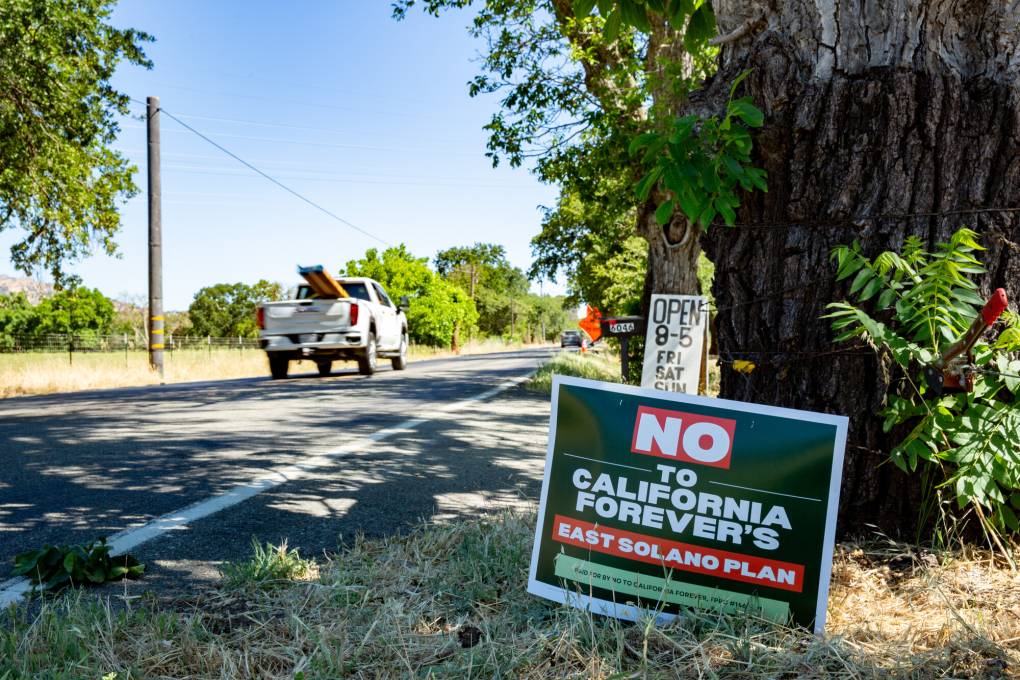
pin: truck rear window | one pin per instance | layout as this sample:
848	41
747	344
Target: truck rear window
354	289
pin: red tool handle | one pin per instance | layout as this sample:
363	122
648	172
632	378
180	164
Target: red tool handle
995	306
992	310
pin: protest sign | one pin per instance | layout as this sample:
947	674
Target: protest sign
674	343
656	501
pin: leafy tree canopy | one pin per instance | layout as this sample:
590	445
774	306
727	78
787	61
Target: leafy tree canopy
467	266
576	88
439	310
59	180
17	318
74	310
228	309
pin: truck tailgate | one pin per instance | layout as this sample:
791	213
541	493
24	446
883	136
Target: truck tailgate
306	316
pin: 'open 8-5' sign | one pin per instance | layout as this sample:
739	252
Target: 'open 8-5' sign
675	342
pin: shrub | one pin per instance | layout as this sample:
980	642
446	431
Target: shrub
54	568
926	301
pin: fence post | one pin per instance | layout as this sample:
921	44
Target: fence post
125	350
208	341
70	350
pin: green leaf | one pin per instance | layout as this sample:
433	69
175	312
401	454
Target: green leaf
664	213
634	15
706	217
583	8
896	456
1008	518
873	287
757	176
700	27
642	140
861	279
647	183
612	28
679	10
732	166
739	79
653	149
726	211
887	297
691	204
747	112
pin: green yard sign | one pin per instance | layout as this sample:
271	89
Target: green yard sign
657	502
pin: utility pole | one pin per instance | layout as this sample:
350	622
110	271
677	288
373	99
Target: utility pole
155	241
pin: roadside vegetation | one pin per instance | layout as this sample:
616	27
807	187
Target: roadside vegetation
50	372
591	365
449	601
472	300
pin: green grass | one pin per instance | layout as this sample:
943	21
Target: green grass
268	567
591	365
450	601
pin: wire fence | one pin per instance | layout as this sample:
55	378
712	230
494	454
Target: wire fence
72	343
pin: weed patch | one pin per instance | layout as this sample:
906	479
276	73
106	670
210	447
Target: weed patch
270	566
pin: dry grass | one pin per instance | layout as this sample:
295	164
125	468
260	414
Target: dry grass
449	601
45	373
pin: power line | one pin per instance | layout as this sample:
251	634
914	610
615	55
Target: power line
189	170
286	126
273	180
360	147
322	176
292	102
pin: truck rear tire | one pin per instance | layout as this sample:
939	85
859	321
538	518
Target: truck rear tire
278	366
367	361
400	361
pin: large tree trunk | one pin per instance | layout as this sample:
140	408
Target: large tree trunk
875	112
672	254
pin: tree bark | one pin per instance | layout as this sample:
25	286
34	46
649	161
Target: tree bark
882	120
672	254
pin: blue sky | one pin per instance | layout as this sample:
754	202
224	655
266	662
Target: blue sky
363	114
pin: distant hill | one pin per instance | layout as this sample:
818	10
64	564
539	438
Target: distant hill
33	290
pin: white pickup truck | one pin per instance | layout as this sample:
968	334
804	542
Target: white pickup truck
364	326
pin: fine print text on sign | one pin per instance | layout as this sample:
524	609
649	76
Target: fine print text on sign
658	502
674	343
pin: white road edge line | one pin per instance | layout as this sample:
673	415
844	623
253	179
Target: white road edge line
13	589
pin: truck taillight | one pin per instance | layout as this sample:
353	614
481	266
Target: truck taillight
260	317
354	313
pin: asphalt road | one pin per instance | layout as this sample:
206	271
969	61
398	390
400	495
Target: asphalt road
346	454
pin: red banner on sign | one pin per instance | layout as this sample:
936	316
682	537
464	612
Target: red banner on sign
679	556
